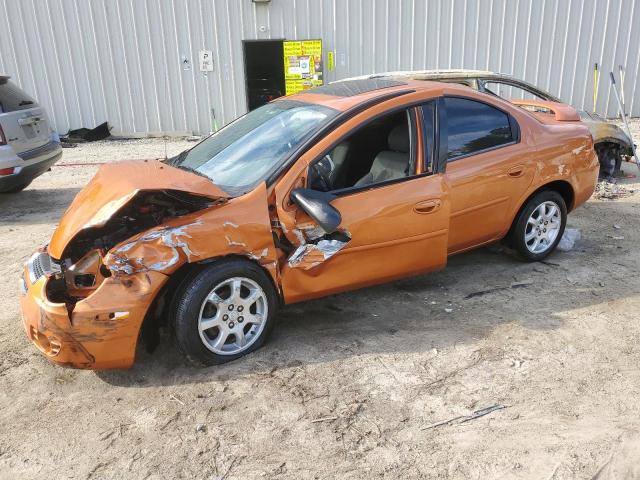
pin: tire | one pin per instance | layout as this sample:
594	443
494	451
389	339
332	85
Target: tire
531	237
17	189
214	304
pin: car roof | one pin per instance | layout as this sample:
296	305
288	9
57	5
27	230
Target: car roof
454	74
350	93
446	73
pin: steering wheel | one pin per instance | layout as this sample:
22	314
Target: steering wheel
321	178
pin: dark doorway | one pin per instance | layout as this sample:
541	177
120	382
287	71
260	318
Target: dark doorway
264	71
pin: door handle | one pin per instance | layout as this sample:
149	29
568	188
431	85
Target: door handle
428	206
516	171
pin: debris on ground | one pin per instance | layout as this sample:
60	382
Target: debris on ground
83	135
517	363
465	418
606	190
324	419
568	240
497	289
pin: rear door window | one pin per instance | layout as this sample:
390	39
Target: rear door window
473	127
13	98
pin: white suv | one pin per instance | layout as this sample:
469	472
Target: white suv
28	146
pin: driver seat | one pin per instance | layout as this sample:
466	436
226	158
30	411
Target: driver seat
393	163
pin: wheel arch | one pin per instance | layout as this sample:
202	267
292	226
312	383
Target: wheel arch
563	187
158	314
611	142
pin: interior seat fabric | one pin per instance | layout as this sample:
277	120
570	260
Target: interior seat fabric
393	163
338	156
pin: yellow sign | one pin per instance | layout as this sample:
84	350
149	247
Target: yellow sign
302	65
331	62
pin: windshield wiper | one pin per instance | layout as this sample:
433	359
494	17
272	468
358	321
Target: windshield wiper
193	170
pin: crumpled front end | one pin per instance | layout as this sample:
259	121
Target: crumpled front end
100	331
240	228
85	300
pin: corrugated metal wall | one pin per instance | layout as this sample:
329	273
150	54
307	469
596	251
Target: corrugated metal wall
90	61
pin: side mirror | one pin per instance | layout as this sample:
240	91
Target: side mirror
318	206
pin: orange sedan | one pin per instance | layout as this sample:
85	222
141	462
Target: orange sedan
336	188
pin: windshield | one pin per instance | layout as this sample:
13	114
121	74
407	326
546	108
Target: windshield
247	151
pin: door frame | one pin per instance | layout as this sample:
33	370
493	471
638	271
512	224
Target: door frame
294	221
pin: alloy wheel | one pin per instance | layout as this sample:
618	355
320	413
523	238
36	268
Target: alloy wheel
543	226
232	316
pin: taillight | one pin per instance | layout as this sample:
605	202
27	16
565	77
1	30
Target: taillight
3	139
7	171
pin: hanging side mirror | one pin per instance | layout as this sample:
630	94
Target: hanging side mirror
318	206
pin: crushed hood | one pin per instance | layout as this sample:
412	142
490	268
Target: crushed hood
114	186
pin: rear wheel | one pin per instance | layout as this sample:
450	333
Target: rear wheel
539	226
224	312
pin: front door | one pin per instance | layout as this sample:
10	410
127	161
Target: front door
395	214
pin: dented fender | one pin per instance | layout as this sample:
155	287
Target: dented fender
117	184
240	227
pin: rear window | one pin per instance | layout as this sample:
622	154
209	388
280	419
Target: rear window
13	98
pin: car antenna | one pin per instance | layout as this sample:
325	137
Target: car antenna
596	77
165	148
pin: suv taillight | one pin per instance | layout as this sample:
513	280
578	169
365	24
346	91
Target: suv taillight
3	139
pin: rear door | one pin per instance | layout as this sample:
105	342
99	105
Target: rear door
488	169
25	124
395	228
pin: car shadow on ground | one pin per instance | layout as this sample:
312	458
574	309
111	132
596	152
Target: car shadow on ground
35	206
477	293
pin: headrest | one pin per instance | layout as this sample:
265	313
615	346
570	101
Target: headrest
398	139
394	163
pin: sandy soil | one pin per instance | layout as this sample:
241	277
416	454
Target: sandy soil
348	386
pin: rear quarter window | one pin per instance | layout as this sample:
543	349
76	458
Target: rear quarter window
13	98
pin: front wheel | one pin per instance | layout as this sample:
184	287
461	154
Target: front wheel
539	226
224	312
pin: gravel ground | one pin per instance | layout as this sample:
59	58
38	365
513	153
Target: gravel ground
356	385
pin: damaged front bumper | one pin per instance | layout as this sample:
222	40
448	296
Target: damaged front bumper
99	331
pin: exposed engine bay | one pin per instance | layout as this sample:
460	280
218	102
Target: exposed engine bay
81	268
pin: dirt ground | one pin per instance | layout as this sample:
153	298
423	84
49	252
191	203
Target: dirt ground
354	385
